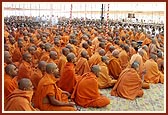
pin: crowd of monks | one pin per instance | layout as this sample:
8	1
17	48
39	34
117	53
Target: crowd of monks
57	67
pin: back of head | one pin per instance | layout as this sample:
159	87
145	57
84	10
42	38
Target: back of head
135	65
105	59
85	45
84	54
65	51
50	67
95	69
141	53
71	57
159	54
25	84
53	55
115	53
111	48
153	56
42	66
102	52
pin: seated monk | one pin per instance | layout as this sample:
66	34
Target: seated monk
68	75
62	60
8	59
82	65
20	99
104	80
38	73
114	65
53	57
25	69
160	62
124	57
48	96
86	92
129	83
10	79
96	58
45	55
109	53
153	75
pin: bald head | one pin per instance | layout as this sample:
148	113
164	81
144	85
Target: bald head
102	52
159	54
153	56
53	55
115	53
65	51
27	57
31	50
84	54
69	47
111	48
95	69
47	47
25	84
42	66
51	67
141	53
85	45
71	57
7	57
105	59
135	65
11	70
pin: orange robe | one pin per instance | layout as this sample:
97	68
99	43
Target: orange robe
104	80
61	62
159	62
19	100
45	57
17	55
82	66
68	78
153	75
35	78
137	57
145	56
123	59
94	59
47	87
86	92
114	67
9	85
25	70
129	85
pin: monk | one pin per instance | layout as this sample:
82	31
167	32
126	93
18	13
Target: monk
124	57
38	73
7	58
25	69
109	52
62	60
10	79
160	62
96	58
86	92
48	96
153	75
82	65
18	51
45	55
104	80
32	51
68	75
129	83
145	56
53	57
114	65
20	99
57	46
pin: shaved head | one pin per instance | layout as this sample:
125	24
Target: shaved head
65	51
111	48
102	52
42	66
71	57
25	84
135	65
115	53
153	56
51	68
7	57
95	69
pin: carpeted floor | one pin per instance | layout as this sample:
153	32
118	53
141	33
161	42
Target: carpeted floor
152	100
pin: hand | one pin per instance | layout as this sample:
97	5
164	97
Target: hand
71	103
67	93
